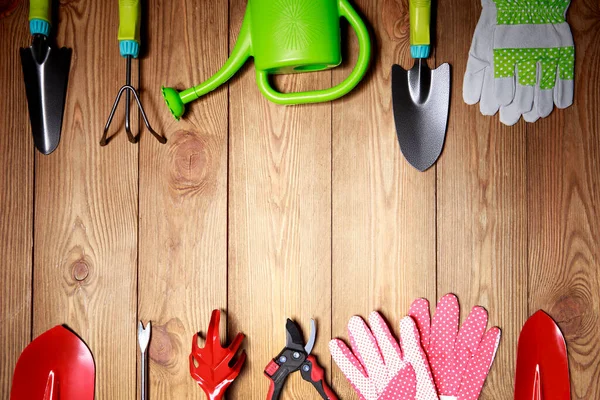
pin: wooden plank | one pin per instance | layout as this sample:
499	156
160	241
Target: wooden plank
183	191
481	204
85	231
383	209
16	198
563	170
279	221
296	176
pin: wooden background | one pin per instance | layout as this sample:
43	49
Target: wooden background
268	212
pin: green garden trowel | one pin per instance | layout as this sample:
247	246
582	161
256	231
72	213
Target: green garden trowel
421	96
285	37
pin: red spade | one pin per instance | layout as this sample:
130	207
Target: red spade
57	365
542	364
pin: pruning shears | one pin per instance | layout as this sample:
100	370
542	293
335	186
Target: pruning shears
296	356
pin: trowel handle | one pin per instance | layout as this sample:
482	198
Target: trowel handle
420	18
39	17
130	12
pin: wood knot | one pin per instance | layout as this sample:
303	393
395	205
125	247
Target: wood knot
163	346
189	162
568	313
81	270
395	21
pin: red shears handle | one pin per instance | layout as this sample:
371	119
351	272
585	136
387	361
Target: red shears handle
316	375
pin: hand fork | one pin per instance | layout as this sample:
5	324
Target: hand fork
129	46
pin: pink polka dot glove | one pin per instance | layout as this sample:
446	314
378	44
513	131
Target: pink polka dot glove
459	359
378	367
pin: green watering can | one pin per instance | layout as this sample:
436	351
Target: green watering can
287	36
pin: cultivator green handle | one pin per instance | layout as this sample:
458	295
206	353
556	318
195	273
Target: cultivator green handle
420	17
39	17
129	27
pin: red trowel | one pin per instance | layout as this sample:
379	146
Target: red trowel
542	363
57	365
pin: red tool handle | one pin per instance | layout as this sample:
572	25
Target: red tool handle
273	394
277	377
316	376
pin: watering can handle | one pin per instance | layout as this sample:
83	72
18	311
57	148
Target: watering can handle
317	96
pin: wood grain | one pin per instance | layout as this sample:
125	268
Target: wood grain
183	192
269	212
481	205
564	198
279	221
383	209
85	231
16	198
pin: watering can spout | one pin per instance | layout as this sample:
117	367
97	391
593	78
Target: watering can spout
176	100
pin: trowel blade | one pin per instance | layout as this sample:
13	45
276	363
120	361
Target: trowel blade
421	98
56	365
46	73
542	371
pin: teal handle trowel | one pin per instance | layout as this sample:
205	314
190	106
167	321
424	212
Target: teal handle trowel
46	72
421	96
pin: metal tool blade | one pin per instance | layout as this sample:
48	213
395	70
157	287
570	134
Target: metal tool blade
46	73
293	337
313	336
144	335
421	98
143	340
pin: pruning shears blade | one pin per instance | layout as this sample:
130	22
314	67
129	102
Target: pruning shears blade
293	337
313	336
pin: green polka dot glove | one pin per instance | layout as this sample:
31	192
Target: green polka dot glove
525	47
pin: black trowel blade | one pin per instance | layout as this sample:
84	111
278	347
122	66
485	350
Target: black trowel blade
421	98
46	72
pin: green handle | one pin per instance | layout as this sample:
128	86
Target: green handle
40	9
420	17
317	96
39	17
129	20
